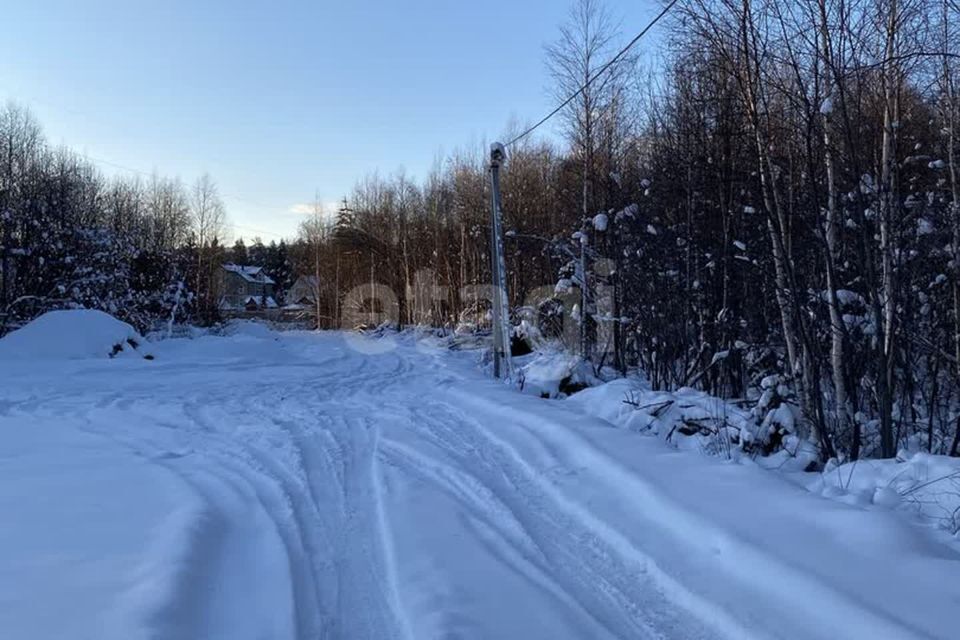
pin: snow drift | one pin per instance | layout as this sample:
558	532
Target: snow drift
691	419
925	485
74	334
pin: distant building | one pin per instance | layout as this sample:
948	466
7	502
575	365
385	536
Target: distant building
246	288
304	291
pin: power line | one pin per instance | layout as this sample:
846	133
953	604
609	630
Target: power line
152	175
257	231
117	166
596	75
145	174
229	196
527	132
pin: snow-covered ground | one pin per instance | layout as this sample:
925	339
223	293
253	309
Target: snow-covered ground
302	485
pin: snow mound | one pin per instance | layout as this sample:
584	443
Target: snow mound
690	419
551	373
607	401
73	334
600	222
924	484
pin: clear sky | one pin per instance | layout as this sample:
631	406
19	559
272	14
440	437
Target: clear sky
280	100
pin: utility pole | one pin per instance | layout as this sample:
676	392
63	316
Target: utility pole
584	288
343	218
336	293
502	364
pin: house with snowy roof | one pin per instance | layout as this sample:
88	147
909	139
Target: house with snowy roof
246	288
304	291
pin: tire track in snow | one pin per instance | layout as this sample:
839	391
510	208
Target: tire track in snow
336	453
745	567
223	472
615	590
495	527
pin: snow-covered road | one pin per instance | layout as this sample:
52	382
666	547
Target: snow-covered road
292	486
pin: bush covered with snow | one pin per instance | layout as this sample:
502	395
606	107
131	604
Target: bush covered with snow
71	335
552	373
691	419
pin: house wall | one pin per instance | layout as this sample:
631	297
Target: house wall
302	288
236	288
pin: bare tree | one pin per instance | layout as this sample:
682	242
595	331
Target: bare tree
20	145
585	44
314	233
209	219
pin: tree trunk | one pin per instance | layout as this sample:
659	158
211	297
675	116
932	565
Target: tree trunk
844	418
887	204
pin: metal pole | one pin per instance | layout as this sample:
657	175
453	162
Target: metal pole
494	307
502	365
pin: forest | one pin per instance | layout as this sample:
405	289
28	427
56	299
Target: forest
765	207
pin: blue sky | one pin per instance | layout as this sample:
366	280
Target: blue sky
280	100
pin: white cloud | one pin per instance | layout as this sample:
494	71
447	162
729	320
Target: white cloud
307	208
302	209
